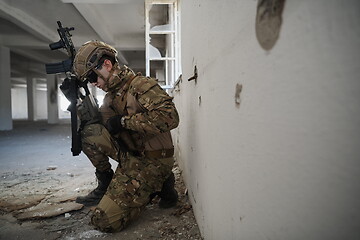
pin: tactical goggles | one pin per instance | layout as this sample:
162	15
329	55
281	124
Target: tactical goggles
92	76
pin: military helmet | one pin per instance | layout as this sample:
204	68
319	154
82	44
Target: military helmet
88	56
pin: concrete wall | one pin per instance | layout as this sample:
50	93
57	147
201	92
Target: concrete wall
41	101
19	104
280	160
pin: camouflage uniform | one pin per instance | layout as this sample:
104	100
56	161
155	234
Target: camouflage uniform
147	160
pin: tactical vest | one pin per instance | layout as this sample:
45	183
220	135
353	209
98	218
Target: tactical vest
124	101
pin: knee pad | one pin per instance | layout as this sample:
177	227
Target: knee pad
108	216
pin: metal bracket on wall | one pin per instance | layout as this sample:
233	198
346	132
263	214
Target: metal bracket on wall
195	75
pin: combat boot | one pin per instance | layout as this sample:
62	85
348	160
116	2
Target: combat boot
168	194
94	197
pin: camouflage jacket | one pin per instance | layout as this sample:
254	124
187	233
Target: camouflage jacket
149	112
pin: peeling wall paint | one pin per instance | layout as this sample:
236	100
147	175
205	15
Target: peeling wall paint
238	89
268	22
269	139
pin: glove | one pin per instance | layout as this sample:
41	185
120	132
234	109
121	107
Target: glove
65	87
113	124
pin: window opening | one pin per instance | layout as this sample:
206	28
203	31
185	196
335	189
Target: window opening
162	40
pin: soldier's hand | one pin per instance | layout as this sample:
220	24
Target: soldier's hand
113	124
65	87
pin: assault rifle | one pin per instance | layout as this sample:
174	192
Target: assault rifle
71	88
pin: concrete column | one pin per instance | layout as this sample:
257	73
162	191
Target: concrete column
5	90
52	99
31	97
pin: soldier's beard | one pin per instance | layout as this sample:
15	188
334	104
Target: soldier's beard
102	84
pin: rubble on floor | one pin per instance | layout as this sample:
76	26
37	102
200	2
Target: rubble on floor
43	201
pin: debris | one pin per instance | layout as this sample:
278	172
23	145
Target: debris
183	209
56	187
90	234
67	215
17	203
54	198
168	230
49	211
49	168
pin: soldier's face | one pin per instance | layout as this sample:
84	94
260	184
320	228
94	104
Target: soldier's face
100	84
105	72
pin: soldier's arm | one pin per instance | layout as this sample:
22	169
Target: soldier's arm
160	114
105	110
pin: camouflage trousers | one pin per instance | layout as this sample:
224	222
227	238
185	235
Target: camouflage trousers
133	182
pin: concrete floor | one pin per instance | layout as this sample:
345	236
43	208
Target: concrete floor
37	145
37	170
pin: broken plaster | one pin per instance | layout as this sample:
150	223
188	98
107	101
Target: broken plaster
268	22
238	89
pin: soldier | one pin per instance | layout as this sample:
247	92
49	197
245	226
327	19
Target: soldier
137	116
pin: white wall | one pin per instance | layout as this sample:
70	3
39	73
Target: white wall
19	104
285	163
41	101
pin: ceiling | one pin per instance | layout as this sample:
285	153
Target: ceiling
27	28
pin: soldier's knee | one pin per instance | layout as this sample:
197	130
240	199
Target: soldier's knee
108	216
101	221
96	139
